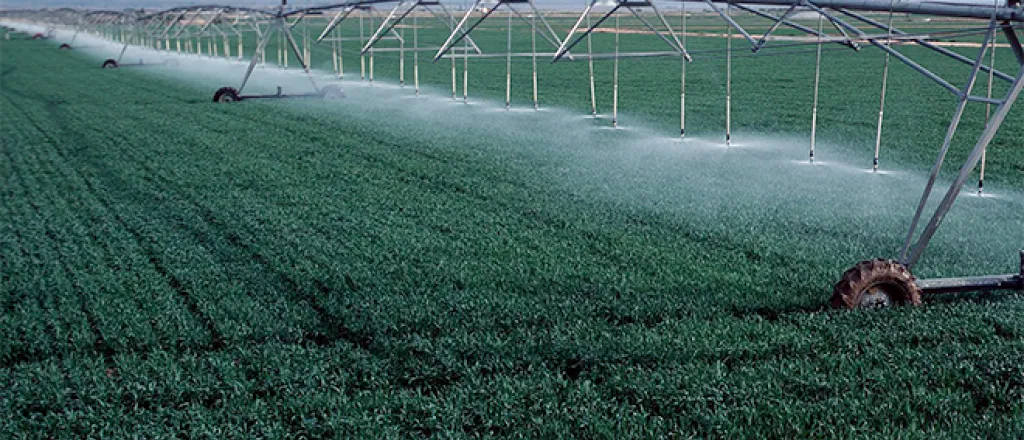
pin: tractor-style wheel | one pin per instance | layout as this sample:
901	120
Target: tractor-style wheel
65	46
876	283
38	36
110	64
226	94
332	92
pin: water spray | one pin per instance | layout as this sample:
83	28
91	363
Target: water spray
862	285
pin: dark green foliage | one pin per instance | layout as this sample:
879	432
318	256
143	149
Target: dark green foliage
168	272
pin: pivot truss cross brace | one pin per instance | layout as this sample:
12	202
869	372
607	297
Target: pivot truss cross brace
912	249
279	23
633	7
463	29
999	19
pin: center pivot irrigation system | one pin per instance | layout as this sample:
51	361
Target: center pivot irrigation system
851	24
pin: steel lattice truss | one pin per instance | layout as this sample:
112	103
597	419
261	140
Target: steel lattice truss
849	25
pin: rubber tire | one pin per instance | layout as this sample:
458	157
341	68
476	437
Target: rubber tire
332	92
226	94
38	37
65	46
110	64
900	286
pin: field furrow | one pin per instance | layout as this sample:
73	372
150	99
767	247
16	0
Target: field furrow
389	267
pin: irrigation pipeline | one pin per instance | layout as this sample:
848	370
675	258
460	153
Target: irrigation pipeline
706	54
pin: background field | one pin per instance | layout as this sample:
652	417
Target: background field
396	267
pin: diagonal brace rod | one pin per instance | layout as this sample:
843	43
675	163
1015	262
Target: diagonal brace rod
941	50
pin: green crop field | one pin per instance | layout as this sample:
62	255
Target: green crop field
389	267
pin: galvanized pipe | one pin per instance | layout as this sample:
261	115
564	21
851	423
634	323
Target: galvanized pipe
508	64
590	66
533	42
615	76
817	78
682	72
885	83
416	55
988	112
362	58
728	79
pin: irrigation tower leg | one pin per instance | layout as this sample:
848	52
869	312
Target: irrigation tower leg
298	54
950	132
121	55
910	254
264	39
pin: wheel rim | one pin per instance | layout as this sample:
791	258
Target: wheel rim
227	98
880	295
